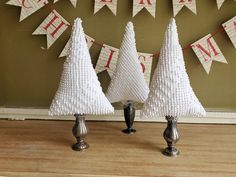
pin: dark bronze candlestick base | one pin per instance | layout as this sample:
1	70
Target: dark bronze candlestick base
129	113
80	131
171	135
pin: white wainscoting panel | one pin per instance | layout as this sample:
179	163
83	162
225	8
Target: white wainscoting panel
215	117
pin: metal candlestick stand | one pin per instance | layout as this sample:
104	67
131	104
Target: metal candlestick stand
129	113
171	135
79	130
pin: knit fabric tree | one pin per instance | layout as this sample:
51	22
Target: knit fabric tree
170	92
128	83
79	90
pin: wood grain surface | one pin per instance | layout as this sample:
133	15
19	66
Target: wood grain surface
43	148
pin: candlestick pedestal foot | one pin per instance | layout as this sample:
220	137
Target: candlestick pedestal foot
129	131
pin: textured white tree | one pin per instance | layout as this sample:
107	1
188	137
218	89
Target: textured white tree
171	94
127	83
79	91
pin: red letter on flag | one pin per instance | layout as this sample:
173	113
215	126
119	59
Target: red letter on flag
109	59
142	65
207	52
57	28
148	1
183	1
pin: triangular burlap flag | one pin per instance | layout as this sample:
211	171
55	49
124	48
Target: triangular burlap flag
150	5
179	4
219	3
208	51
73	2
53	27
111	4
107	59
27	7
230	28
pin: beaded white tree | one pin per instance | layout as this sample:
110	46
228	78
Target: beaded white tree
127	83
79	91
171	94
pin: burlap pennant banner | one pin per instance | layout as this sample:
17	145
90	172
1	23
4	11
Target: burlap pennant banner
55	25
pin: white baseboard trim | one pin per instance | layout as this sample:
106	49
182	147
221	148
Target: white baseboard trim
42	114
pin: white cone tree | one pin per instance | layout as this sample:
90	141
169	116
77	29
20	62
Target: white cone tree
127	82
170	90
79	91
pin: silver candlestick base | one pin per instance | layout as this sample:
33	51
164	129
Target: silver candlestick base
171	135
129	113
79	130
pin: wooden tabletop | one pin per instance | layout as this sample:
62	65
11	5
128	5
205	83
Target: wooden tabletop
43	148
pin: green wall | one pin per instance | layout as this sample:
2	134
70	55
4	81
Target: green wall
29	74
